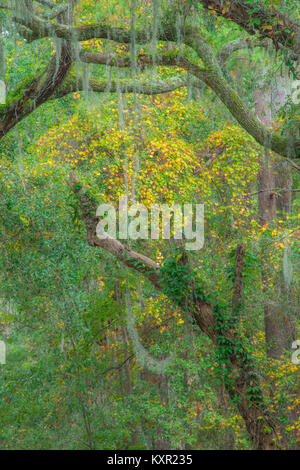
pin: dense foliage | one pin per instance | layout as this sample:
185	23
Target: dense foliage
98	355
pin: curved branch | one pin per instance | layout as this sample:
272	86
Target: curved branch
47	3
243	376
211	75
57	11
38	90
114	60
145	87
128	257
255	18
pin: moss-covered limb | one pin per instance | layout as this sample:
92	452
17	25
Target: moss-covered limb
255	18
36	91
169	58
18	104
213	77
26	33
220	325
18	93
56	73
238	283
264	135
56	11
176	280
241	377
88	208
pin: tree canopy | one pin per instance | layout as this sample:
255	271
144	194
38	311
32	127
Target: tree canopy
122	343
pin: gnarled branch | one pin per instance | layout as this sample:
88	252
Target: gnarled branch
256	19
128	257
243	375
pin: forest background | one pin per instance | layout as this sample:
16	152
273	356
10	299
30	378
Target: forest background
142	344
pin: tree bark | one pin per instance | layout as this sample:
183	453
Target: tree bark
40	90
279	328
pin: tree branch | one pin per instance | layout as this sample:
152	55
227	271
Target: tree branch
212	75
172	58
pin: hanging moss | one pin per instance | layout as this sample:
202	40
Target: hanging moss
18	92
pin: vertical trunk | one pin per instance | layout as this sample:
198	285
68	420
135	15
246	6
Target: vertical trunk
284	181
162	442
279	328
275	185
266	196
